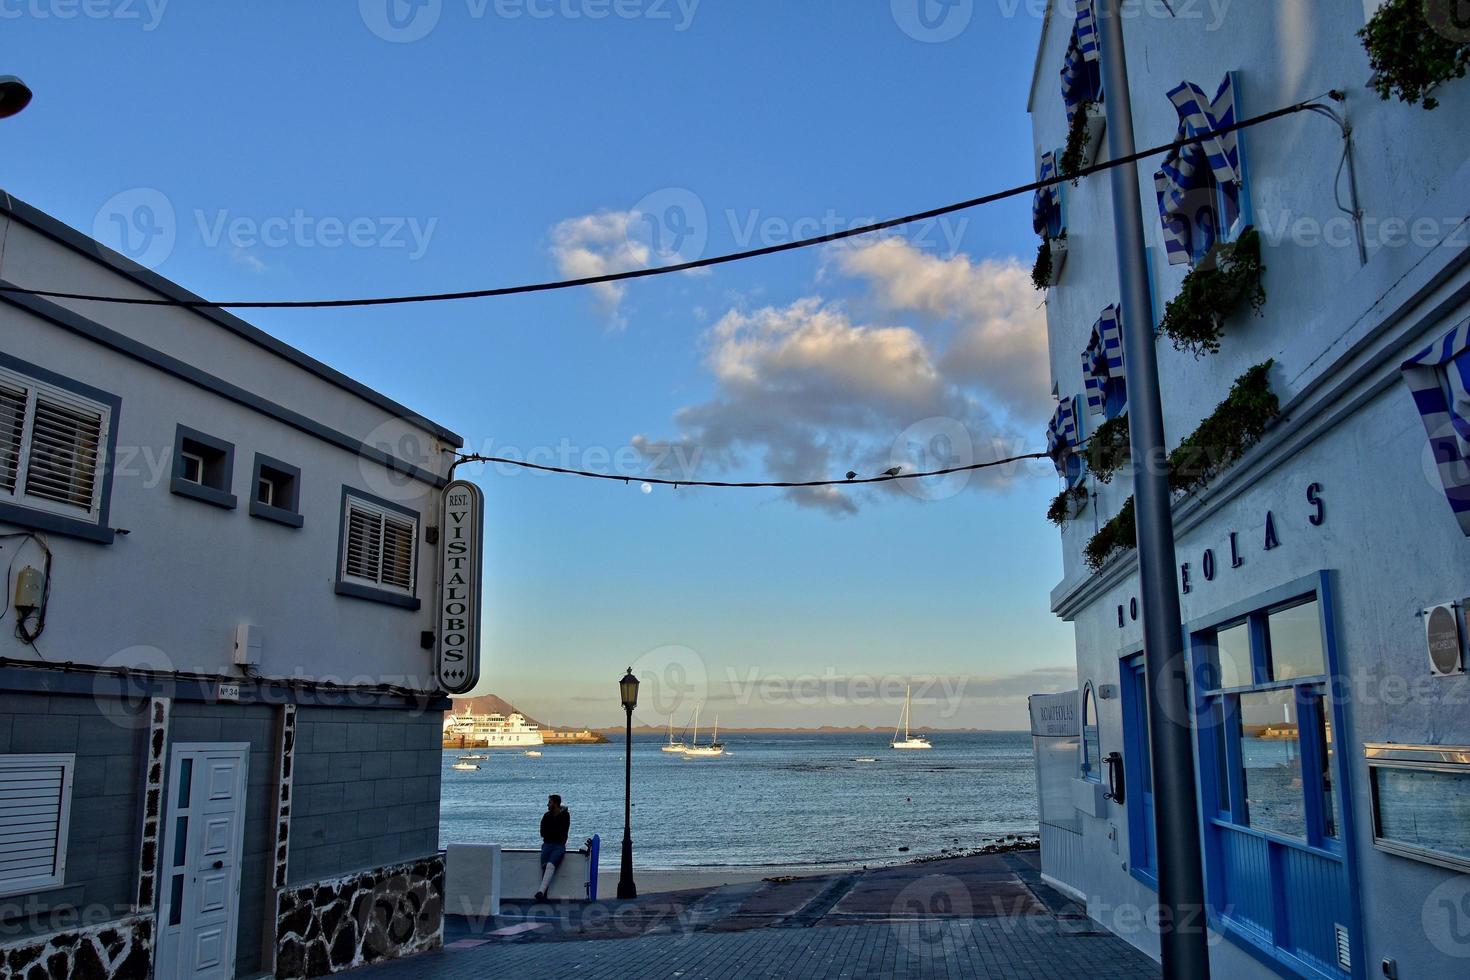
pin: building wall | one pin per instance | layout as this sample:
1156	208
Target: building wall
366	790
107	737
1337	332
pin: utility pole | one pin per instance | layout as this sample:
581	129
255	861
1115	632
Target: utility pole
1183	939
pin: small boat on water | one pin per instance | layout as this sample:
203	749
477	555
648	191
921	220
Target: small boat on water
864	759
473	758
673	746
714	748
533	753
909	741
466	767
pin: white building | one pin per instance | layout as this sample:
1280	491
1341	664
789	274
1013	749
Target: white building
1333	758
219	726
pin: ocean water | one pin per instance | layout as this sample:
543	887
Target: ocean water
772	799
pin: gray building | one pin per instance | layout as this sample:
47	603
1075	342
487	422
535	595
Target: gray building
219	719
1320	499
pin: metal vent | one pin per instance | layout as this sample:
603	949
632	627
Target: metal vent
1344	947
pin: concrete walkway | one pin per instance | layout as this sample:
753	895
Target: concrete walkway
987	916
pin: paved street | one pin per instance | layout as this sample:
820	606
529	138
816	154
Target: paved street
987	916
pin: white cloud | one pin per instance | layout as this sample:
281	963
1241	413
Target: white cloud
598	245
812	392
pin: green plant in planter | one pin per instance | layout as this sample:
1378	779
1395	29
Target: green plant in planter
1221	439
1414	45
1041	271
1120	533
1108	449
1065	504
1231	429
1076	146
1195	318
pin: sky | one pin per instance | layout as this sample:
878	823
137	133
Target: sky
287	150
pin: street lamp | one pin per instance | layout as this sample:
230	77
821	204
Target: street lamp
628	687
15	95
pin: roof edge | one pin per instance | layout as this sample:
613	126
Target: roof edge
68	236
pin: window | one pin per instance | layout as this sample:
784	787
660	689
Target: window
203	468
56	438
35	808
1271	779
378	558
276	493
1091	767
1421	801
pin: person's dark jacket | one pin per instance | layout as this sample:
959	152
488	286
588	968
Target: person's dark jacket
556	826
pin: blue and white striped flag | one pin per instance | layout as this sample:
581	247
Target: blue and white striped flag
1081	77
1086	30
1439	379
1046	205
1061	435
1102	362
1189	169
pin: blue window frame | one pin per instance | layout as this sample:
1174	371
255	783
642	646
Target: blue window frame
58	442
275	491
1138	771
1091	764
1281	884
204	468
377	551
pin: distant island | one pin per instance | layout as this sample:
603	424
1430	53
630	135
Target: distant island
488	704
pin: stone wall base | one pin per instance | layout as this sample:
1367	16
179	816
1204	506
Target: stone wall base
121	950
363	918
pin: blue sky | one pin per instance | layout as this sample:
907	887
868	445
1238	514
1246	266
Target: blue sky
521	140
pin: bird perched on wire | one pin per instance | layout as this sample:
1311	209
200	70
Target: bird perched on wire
894	471
852	474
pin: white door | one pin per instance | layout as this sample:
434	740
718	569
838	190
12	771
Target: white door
199	876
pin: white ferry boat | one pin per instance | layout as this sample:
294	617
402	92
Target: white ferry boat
493	731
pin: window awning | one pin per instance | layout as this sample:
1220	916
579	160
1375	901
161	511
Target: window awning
1081	71
1190	169
1102	361
1439	379
1046	205
1062	436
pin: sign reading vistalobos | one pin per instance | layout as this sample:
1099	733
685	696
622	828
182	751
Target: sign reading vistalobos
462	530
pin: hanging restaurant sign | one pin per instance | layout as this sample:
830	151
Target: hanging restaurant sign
462	534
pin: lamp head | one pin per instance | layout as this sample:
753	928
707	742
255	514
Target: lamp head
15	95
628	687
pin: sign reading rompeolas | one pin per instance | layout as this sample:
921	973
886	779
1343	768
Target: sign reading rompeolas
462	525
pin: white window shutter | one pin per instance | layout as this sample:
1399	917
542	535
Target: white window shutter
35	804
378	546
65	454
12	431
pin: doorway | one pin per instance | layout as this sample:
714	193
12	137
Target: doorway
199	877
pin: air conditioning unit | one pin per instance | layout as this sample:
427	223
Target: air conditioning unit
1442	638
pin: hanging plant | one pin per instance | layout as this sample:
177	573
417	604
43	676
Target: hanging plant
1074	154
1108	449
1118	534
1067	504
1041	271
1231	429
1195	319
1413	46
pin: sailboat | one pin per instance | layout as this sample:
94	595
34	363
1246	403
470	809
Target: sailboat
909	741
705	751
674	746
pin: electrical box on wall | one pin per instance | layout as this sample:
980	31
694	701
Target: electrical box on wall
30	586
248	641
1442	637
